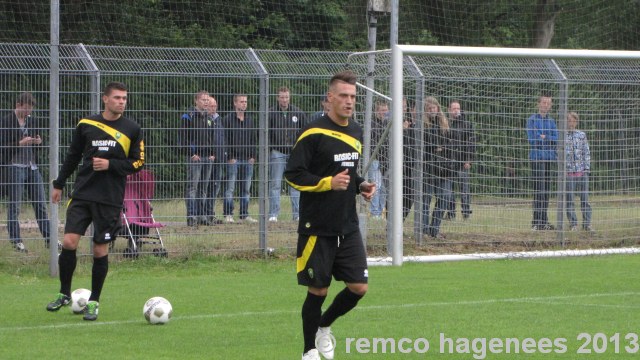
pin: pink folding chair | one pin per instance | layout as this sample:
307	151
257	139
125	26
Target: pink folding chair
138	224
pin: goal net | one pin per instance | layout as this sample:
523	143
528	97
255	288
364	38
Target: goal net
499	92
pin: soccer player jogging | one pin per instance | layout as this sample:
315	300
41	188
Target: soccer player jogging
110	147
322	166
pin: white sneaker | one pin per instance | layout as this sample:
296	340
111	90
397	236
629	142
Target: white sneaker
311	355
325	342
273	219
19	247
249	219
228	219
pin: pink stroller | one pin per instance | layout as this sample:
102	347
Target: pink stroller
137	215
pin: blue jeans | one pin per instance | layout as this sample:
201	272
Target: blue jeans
379	200
240	172
22	179
215	184
277	164
460	182
441	189
198	176
541	174
578	185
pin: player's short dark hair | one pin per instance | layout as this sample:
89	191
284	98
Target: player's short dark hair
26	98
345	76
282	89
114	86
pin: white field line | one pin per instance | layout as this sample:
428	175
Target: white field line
553	300
387	261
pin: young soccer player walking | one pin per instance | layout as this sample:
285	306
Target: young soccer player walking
110	147
322	166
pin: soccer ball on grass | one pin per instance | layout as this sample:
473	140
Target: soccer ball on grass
157	310
79	299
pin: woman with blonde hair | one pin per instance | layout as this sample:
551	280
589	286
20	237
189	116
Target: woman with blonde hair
438	165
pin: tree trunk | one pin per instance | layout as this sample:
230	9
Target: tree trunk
544	24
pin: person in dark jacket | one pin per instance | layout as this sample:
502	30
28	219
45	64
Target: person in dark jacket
285	122
438	166
241	140
195	141
21	139
217	159
464	149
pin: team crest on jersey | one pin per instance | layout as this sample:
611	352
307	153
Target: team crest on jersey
118	135
358	145
310	272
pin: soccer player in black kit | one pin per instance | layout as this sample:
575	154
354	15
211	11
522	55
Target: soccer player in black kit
322	166
110	147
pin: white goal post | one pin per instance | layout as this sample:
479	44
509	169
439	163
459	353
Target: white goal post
398	52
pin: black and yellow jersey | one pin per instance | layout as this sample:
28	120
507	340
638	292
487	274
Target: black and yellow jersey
119	141
324	149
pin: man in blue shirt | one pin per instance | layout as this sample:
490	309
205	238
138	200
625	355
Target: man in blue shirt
542	134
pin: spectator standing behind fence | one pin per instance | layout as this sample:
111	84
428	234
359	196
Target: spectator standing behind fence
108	147
438	166
241	143
324	166
217	161
196	147
408	156
285	122
21	139
578	165
324	103
464	149
379	164
542	134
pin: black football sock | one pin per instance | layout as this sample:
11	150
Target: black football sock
98	274
344	301
66	266
311	313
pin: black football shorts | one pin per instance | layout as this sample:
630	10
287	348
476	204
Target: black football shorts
105	218
321	257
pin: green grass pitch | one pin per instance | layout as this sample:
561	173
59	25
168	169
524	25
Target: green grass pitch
239	309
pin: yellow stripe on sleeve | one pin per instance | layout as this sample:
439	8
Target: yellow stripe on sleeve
323	185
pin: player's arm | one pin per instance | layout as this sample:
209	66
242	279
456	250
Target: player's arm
134	162
298	173
72	159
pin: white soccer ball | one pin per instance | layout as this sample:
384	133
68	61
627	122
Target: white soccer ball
79	298
157	310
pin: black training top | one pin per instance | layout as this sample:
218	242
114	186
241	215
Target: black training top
119	141
323	150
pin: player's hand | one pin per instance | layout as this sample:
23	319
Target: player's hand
341	180
100	164
37	140
367	190
56	195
